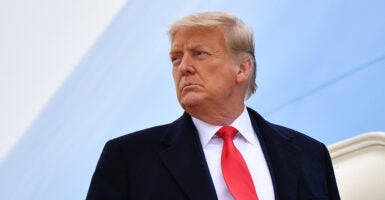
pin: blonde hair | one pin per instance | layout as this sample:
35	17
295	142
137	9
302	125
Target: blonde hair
239	37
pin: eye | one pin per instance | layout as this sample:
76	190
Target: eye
175	59
200	53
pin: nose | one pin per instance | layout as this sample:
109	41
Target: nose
186	66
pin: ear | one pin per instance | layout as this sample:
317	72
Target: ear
244	70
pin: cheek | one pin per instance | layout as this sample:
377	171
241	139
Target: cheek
176	80
224	81
175	75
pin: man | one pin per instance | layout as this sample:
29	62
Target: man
195	157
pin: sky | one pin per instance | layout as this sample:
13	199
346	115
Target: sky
320	71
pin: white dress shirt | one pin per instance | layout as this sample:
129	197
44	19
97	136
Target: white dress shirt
248	144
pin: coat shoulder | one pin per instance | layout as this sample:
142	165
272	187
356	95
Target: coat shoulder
144	135
311	152
278	132
295	136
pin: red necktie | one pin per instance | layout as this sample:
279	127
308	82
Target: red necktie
234	168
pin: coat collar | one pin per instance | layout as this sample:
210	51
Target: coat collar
185	159
281	155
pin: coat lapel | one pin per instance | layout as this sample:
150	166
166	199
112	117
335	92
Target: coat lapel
281	156
184	158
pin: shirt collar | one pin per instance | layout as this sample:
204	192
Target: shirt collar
242	123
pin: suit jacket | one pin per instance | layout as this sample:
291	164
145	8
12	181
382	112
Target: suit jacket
167	162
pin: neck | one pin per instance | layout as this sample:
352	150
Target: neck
217	116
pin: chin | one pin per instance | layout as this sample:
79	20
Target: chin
190	101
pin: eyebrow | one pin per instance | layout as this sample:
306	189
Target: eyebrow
191	47
174	52
196	46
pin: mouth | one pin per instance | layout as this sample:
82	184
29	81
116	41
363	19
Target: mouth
188	85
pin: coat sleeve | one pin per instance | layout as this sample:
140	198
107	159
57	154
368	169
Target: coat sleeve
332	185
109	180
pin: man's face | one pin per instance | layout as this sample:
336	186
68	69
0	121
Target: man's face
203	69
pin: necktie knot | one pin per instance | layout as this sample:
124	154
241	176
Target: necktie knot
227	132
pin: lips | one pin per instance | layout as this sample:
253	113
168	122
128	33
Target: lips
188	85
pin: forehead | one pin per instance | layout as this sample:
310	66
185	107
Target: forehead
197	36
